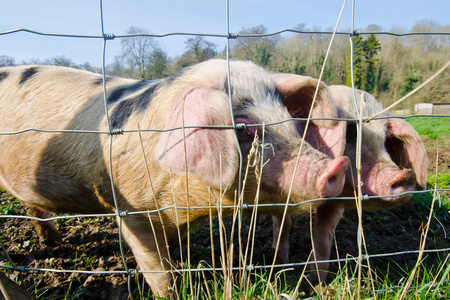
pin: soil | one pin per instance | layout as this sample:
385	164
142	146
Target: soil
92	244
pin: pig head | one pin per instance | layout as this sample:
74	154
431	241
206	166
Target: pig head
179	158
393	158
393	161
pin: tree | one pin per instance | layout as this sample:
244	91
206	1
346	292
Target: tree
197	50
61	60
88	67
371	48
117	68
411	80
429	43
158	65
6	61
257	49
137	50
358	63
364	58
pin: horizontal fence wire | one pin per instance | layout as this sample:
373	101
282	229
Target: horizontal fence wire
244	206
248	267
108	37
238	126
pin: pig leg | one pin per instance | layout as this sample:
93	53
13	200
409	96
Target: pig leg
283	247
327	218
46	230
150	251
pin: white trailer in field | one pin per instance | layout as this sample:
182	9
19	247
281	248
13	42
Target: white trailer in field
432	108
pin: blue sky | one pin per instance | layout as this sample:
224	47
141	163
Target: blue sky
82	17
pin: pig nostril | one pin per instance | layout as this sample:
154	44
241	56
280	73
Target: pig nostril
329	184
398	189
332	180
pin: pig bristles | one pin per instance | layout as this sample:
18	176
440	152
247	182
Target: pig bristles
188	200
258	158
360	234
302	277
178	231
158	210
313	251
211	236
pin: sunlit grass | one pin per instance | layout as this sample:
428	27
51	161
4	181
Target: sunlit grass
431	127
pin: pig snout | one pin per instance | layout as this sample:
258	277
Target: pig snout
315	177
331	181
390	181
402	182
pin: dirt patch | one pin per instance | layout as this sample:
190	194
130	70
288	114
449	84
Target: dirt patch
92	244
441	151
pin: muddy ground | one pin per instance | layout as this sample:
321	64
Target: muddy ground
92	244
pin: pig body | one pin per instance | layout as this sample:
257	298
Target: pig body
393	161
190	166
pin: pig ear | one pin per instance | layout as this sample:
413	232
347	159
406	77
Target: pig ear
210	154
327	136
406	149
298	93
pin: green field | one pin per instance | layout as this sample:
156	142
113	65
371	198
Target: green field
431	127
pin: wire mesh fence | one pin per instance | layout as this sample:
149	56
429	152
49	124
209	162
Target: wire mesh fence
244	265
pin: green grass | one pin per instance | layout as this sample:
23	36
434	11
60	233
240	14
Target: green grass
425	283
432	282
431	127
442	180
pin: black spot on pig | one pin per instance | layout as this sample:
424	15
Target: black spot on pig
121	113
226	87
125	108
3	76
99	81
245	103
175	76
142	100
124	90
27	74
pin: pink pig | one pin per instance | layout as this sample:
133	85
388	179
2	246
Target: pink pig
69	172
393	161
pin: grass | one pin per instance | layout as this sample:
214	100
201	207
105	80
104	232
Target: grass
431	127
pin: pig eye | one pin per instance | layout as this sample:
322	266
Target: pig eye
242	125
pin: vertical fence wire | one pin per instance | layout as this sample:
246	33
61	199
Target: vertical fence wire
111	137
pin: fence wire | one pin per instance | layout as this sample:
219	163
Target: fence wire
109	37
